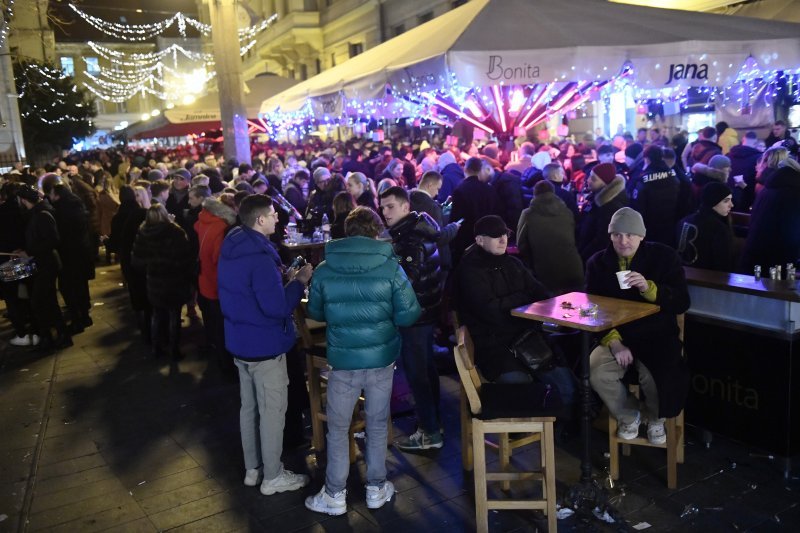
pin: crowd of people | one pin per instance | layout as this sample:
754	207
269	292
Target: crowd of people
420	230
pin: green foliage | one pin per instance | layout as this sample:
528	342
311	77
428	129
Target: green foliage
54	110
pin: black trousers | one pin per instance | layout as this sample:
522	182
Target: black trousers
75	291
44	304
19	309
166	319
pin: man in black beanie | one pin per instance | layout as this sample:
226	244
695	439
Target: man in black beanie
705	238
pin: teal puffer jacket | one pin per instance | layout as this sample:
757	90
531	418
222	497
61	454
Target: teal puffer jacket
363	294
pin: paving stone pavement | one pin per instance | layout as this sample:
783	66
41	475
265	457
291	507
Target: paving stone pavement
102	437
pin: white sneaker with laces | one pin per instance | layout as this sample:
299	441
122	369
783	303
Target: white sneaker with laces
629	431
656	433
322	502
27	340
251	477
283	482
377	496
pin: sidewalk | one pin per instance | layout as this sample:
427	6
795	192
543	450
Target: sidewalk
101	437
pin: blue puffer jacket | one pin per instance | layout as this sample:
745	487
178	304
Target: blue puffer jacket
256	306
363	294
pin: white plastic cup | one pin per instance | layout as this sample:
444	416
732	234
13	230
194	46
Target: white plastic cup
621	279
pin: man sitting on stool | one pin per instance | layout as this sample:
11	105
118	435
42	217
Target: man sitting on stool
651	344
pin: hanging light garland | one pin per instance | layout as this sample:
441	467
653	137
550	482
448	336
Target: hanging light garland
44	79
8	13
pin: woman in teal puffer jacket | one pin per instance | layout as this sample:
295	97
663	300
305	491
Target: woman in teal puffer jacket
362	293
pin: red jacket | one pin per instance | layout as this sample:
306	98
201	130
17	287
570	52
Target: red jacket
211	227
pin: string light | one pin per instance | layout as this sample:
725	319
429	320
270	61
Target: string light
43	79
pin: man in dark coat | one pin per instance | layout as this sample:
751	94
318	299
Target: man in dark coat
774	234
41	243
508	186
423	201
414	237
742	180
473	199
554	173
705	238
655	196
75	250
12	237
606	196
651	344
703	149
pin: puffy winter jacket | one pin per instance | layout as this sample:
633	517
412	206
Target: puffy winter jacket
256	305
414	241
162	250
363	294
211	226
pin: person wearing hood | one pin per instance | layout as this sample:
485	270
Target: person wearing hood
742	179
452	175
607	195
546	241
727	137
705	238
363	294
774	234
533	174
718	169
41	243
75	251
258	311
414	239
162	250
213	222
655	196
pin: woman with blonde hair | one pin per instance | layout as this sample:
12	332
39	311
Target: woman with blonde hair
162	249
362	189
142	196
768	165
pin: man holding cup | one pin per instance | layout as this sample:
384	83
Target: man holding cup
631	269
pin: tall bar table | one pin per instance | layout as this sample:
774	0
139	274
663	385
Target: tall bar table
572	310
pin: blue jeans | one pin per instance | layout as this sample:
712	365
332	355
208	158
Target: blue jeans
263	389
420	370
344	388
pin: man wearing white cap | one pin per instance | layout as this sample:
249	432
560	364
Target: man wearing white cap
652	273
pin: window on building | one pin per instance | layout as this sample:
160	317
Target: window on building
333	60
356	48
400	29
122	107
68	66
303	72
319	66
92	65
425	17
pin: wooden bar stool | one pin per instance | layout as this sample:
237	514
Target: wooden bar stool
489	415
675	430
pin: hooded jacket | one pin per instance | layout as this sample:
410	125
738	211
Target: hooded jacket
655	196
597	212
211	226
75	247
546	241
363	295
256	305
414	239
452	175
705	240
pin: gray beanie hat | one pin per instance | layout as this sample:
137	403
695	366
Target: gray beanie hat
627	220
719	162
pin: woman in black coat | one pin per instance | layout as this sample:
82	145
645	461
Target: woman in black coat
162	248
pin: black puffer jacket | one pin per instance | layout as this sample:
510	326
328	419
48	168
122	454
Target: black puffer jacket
654	339
163	250
75	248
655	196
414	241
488	287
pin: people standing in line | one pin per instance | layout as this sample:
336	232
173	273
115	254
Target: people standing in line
414	237
259	329
651	344
162	250
705	238
363	295
41	243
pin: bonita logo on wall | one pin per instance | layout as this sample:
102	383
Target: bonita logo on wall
520	72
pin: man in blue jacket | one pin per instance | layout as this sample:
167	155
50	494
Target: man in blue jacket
259	330
364	295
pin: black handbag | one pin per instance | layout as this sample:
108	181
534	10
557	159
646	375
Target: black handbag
532	351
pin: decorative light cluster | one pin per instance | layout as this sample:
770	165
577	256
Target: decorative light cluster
8	13
510	110
43	79
142	73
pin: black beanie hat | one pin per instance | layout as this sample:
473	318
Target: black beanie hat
714	193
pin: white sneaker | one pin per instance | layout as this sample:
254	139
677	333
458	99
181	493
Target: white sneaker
629	431
335	505
377	496
27	340
283	482
251	477
656	433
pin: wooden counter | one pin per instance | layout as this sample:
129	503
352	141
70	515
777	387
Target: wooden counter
765	287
